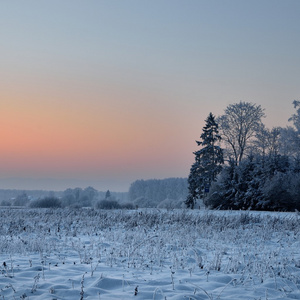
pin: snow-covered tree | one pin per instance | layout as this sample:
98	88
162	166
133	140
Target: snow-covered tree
267	141
257	183
295	118
289	141
208	161
290	136
78	197
195	185
239	125
107	195
21	200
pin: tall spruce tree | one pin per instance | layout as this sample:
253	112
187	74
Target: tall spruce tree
208	162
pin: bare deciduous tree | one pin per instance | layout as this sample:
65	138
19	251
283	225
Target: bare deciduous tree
239	125
267	141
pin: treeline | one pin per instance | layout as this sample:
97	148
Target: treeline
161	193
244	165
10	195
75	198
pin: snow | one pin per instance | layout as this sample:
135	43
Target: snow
149	254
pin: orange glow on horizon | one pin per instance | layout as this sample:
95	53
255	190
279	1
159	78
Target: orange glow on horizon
50	138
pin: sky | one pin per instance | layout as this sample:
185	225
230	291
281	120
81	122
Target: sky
102	93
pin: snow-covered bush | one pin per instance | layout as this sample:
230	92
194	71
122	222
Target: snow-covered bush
171	204
282	192
21	200
48	202
144	202
107	204
127	205
5	203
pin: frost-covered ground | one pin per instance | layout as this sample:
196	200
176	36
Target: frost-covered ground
148	254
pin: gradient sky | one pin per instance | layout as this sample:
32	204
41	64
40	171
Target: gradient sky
102	93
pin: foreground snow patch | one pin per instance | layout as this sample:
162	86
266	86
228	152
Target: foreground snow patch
148	254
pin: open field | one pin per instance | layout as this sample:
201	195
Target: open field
148	254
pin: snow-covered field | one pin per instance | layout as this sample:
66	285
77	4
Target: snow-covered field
148	254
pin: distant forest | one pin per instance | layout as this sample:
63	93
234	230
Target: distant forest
161	193
165	193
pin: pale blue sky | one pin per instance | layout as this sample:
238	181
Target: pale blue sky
135	70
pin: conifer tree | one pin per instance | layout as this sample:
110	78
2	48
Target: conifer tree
208	162
107	195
